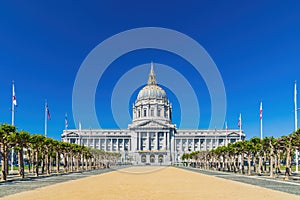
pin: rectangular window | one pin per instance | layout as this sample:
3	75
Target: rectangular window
152	113
145	113
158	112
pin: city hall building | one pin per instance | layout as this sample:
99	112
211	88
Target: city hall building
152	138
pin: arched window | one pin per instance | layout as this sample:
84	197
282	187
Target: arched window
145	112
160	158
152	158
158	112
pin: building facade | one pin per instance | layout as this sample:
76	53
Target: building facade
151	138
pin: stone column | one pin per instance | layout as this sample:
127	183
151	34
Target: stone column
193	144
180	145
165	145
147	141
118	147
111	144
157	141
138	141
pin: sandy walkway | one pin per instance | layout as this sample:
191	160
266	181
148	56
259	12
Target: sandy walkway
152	183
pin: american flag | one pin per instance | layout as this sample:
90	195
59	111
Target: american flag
260	111
240	120
14	98
226	127
66	121
48	112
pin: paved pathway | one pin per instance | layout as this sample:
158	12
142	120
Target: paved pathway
30	184
16	186
292	187
136	183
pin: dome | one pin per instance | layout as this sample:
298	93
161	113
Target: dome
152	90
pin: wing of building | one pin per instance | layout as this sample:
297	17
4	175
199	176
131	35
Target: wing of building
151	138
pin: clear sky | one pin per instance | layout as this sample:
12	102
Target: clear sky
254	44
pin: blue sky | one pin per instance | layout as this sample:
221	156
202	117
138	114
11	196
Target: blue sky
255	46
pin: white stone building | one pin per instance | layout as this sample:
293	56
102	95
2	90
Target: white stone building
151	138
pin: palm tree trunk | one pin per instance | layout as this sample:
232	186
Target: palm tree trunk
36	163
71	162
29	161
278	160
255	164
78	160
271	166
51	164
47	164
4	162
43	163
21	163
287	164
65	163
260	164
57	162
242	164
249	163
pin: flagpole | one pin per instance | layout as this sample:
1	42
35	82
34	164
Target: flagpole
261	122
295	104
46	118
13	105
66	121
79	124
226	134
296	122
12	123
240	126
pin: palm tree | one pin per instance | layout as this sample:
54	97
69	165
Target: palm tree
286	144
47	151
248	151
272	142
57	149
296	141
5	131
36	144
256	152
64	146
21	140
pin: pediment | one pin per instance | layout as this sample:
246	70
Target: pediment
233	134
72	134
151	124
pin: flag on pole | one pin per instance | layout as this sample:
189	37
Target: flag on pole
14	98
260	111
79	126
240	120
48	112
295	93
66	121
226	127
295	106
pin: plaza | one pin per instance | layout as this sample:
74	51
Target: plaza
155	182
